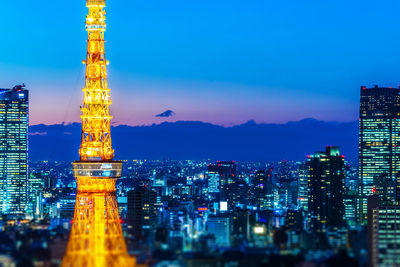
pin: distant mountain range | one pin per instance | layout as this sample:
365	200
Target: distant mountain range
199	140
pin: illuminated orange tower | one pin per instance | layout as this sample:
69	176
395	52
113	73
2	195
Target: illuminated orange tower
96	236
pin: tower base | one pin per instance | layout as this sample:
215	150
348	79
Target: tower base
96	237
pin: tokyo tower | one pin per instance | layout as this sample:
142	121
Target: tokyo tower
96	236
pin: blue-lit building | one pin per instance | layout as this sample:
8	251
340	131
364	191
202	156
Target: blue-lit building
35	195
227	175
213	182
383	232
14	121
379	143
220	227
303	188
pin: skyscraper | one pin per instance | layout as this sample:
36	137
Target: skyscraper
383	232
227	174
14	120
325	185
142	215
379	143
286	182
213	179
303	188
35	197
263	191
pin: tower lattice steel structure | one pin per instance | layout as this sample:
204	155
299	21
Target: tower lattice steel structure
96	236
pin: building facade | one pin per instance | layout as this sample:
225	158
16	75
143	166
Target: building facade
213	179
14	121
379	143
142	214
227	175
383	232
263	191
303	188
220	228
326	174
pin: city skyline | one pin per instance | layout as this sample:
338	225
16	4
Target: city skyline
225	64
235	137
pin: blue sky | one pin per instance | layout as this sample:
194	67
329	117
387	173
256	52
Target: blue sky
219	61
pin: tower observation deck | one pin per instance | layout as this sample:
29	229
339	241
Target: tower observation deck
96	237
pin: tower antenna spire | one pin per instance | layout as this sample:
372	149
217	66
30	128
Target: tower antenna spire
96	237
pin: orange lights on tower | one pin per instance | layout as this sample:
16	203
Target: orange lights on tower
96	237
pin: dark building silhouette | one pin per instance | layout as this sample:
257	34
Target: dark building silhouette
237	194
379	143
325	183
294	220
262	189
398	187
142	214
241	221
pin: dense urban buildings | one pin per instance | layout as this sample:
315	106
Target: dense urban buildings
206	212
166	209
15	195
379	143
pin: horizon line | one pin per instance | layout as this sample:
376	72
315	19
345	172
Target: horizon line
251	121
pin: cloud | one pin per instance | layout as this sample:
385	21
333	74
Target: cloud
38	133
166	114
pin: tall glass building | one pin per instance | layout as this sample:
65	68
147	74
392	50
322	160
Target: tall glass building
383	233
14	120
379	144
303	188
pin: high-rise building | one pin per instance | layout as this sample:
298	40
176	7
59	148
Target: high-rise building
14	121
326	185
303	188
241	222
66	205
227	174
294	220
159	179
350	200
142	214
220	227
35	197
286	181
226	170
213	179
379	143
262	189
383	232
237	194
